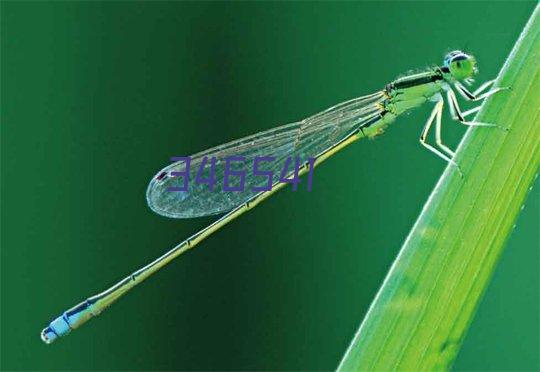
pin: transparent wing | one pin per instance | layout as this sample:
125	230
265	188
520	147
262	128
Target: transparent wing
304	139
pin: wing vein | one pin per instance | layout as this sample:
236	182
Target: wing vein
306	138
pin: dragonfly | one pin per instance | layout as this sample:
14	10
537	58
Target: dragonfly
317	137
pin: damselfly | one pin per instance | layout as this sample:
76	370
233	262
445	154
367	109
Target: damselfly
317	137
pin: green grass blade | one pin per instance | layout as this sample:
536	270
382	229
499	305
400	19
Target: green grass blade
422	311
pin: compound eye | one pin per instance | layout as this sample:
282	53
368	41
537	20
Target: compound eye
448	58
462	66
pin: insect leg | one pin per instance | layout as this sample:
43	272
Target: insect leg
458	115
438	125
471	111
423	136
477	96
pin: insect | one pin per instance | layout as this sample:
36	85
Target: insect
316	138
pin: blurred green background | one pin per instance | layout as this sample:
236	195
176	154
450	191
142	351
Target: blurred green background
98	96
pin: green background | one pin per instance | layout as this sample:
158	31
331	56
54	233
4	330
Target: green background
97	96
